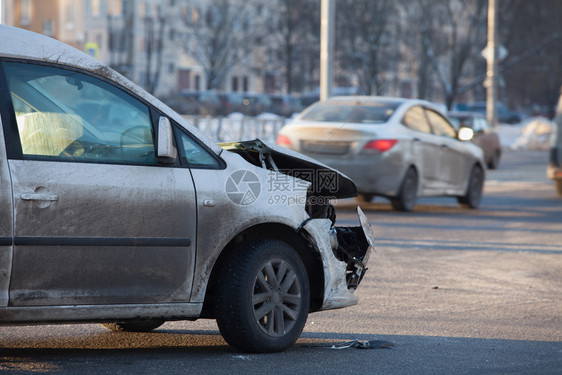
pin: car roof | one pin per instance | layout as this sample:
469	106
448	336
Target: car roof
365	100
32	46
393	101
25	44
465	114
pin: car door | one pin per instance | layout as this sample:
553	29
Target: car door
484	137
98	219
452	161
5	223
424	149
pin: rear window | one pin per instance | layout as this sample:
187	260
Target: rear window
370	113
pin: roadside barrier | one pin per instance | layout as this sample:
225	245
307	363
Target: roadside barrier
237	128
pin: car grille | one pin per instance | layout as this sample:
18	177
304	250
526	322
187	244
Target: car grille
331	148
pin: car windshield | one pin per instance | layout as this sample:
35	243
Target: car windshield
370	113
455	121
459	122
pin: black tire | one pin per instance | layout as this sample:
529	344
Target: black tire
473	194
406	199
558	187
134	326
365	197
494	161
262	297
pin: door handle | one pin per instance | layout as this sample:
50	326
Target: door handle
444	146
39	197
209	203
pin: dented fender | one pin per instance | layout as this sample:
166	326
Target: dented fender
344	258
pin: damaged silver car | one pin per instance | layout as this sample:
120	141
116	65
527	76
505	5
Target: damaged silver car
114	209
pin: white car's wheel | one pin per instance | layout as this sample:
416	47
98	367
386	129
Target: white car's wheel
559	187
473	194
406	199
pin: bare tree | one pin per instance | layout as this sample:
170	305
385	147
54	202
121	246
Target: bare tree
451	34
298	31
154	43
121	40
532	71
122	43
365	46
219	38
289	20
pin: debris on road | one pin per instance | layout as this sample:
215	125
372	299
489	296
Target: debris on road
364	344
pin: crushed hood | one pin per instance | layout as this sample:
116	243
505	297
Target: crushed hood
325	181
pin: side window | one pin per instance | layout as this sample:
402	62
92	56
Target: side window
66	115
415	119
193	154
440	125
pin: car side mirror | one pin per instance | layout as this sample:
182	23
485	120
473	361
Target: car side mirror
166	150
465	134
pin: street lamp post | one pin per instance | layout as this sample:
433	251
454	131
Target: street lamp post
491	81
326	47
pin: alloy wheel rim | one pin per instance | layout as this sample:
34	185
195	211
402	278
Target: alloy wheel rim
276	297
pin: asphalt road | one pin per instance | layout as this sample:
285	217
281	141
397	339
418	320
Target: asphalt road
456	291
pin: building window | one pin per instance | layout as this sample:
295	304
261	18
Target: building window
234	83
197	82
195	16
70	16
95	8
48	27
245	83
116	8
25	12
158	11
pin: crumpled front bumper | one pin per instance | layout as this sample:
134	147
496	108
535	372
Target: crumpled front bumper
345	254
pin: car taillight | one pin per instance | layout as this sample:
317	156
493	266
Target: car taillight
381	145
283	140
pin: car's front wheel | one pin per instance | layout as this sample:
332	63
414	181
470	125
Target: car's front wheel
473	194
365	197
494	160
262	297
559	187
406	199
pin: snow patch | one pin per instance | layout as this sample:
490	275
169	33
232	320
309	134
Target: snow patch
534	135
268	116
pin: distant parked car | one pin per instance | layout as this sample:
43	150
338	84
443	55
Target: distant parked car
230	102
554	169
209	103
505	115
484	136
255	103
311	97
392	147
191	102
285	105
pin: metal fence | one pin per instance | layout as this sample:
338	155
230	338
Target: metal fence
229	129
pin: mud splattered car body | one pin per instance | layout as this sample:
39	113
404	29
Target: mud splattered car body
114	209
